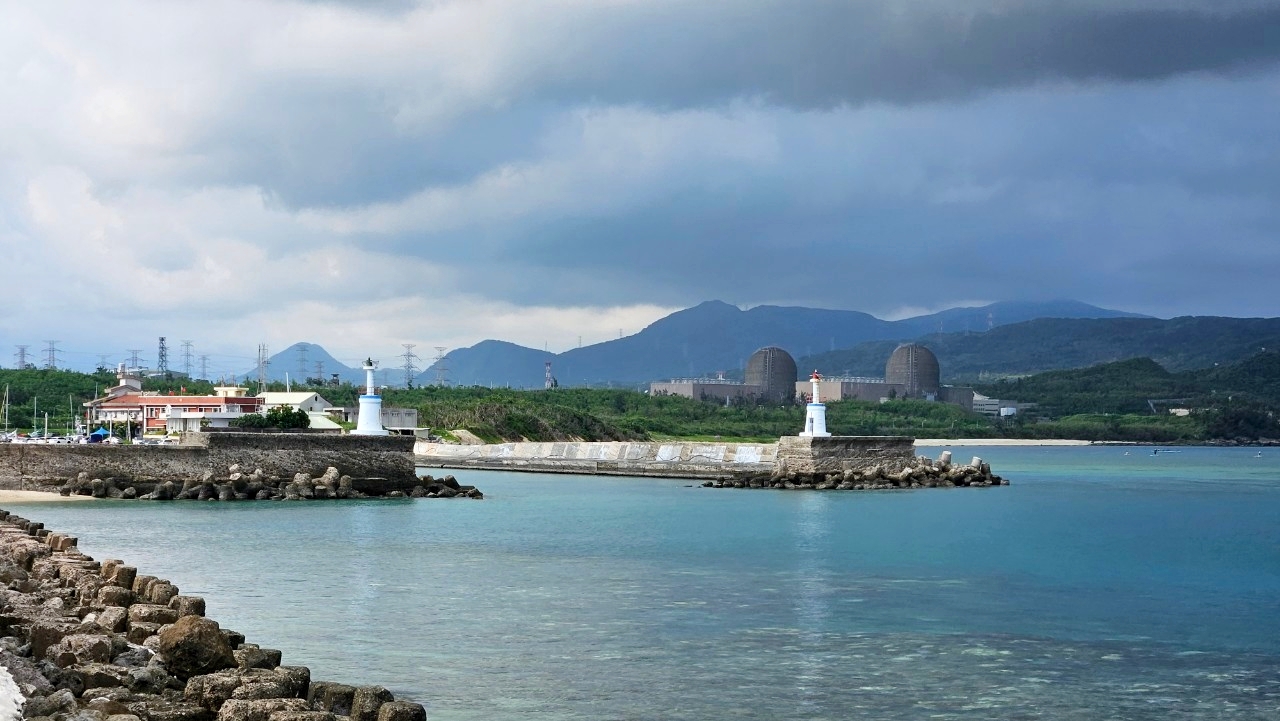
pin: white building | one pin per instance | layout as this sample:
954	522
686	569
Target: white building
301	400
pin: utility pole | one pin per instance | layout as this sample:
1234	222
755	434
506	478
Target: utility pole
162	358
410	370
186	357
204	367
442	373
262	367
51	354
21	356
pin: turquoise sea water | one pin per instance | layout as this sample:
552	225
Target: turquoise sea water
1105	583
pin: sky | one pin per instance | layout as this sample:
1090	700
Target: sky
367	174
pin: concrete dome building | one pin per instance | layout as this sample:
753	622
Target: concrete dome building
773	371
916	368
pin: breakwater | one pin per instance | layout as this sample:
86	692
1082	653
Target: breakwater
95	640
838	462
228	466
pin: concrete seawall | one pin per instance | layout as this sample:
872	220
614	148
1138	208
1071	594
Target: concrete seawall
675	459
38	467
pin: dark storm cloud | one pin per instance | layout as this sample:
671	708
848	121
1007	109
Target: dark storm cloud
821	54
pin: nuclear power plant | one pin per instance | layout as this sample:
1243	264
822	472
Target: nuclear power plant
771	376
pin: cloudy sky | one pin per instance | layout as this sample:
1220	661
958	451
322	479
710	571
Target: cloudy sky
366	174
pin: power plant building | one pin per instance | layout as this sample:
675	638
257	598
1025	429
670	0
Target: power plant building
911	372
770	377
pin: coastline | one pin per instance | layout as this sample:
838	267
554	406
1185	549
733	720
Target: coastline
941	442
18	497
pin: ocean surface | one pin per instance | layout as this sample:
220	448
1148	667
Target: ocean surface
1104	583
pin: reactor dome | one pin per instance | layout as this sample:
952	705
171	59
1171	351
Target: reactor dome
915	367
773	370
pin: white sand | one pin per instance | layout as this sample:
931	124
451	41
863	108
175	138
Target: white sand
38	497
997	442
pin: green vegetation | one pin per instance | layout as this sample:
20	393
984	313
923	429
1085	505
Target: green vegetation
59	393
281	417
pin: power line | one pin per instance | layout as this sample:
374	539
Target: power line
186	357
262	367
410	370
442	373
162	357
51	353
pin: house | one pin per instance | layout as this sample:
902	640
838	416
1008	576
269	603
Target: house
313	404
174	413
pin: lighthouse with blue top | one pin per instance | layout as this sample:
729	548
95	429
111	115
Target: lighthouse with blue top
369	422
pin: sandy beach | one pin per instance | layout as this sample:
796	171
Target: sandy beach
930	442
11	497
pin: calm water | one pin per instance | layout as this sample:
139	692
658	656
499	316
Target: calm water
1099	586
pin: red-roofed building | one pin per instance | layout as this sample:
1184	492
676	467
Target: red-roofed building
170	413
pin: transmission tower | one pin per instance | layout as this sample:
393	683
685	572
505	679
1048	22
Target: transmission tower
262	367
21	356
442	373
302	362
186	357
204	367
102	360
135	363
51	354
162	357
320	372
410	370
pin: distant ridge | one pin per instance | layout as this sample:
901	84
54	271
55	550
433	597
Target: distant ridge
715	336
1045	344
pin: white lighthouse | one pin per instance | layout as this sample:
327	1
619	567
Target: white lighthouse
815	417
369	422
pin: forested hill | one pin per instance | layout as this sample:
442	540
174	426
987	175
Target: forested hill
1177	344
1128	386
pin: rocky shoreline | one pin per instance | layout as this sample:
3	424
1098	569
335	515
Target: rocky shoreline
237	485
90	641
924	473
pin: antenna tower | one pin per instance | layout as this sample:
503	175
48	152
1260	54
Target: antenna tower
162	357
442	373
187	356
51	354
204	367
410	370
262	367
21	357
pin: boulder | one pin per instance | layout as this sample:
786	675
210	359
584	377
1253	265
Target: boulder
330	696
157	709
139	631
402	711
149	679
248	656
194	645
367	700
151	613
258	710
58	702
187	605
134	657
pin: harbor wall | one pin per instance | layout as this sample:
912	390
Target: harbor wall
679	459
672	459
31	466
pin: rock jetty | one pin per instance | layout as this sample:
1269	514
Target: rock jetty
237	485
90	641
924	473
